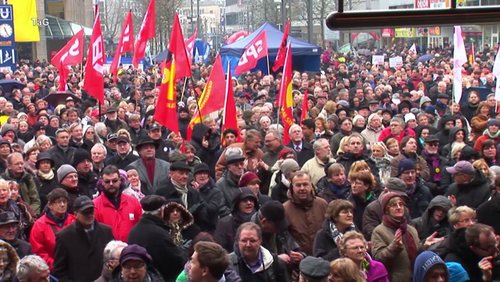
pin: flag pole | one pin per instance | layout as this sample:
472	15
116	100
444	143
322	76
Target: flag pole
184	88
268	69
228	74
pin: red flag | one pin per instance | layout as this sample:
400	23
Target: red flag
178	51
126	44
305	106
71	53
94	79
147	32
166	106
230	120
255	50
212	98
285	98
280	56
190	45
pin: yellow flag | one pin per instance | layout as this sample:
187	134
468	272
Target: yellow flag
25	21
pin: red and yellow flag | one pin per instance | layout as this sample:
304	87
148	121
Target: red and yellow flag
166	106
285	98
212	98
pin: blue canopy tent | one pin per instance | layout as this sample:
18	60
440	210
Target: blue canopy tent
305	56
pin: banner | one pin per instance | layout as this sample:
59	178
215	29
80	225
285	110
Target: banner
26	25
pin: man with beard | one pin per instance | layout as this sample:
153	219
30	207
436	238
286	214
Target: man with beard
436	164
112	121
153	172
113	208
470	109
315	167
304	211
124	156
87	179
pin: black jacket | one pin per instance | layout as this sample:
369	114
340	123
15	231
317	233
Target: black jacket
306	153
76	257
61	157
419	200
472	194
122	163
489	213
214	205
152	233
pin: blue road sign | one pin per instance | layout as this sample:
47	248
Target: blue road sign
8	56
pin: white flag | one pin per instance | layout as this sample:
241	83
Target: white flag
413	49
496	73
459	58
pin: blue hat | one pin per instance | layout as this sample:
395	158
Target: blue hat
404	165
430	109
494	121
457	272
424	262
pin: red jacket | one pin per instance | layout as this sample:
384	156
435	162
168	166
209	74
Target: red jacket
43	238
122	219
386	134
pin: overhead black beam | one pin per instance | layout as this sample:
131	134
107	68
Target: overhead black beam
415	17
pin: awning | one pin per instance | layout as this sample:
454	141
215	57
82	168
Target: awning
62	29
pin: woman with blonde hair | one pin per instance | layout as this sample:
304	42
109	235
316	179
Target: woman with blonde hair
345	270
382	161
343	146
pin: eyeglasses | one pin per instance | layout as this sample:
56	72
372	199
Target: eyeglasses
108	181
135	266
433	144
398	205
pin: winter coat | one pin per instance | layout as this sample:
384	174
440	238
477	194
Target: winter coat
43	237
316	169
76	257
121	219
279	243
10	270
228	187
426	225
45	186
162	169
436	187
376	271
372	216
122	162
324	244
386	134
271	270
370	135
27	189
471	194
61	156
489	213
152	233
419	200
183	232
214	205
329	191
87	183
393	257
306	152
360	205
305	219
195	205
205	154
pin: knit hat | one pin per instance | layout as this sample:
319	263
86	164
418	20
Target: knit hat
457	272
430	110
424	100
6	128
395	184
80	156
387	197
494	121
424	262
285	151
63	171
404	165
57	193
248	177
289	165
409	116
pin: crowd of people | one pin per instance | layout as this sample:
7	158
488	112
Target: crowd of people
385	178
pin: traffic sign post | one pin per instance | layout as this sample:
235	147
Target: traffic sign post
8	56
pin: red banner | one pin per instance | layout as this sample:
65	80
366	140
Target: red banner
255	50
94	79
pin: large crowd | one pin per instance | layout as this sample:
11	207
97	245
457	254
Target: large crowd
385	178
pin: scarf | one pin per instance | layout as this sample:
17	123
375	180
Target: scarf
492	136
408	242
376	130
436	166
183	190
336	234
58	221
46	176
150	165
176	233
285	181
